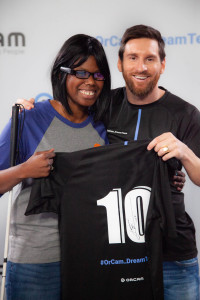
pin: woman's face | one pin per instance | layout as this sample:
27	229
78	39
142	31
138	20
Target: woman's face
83	93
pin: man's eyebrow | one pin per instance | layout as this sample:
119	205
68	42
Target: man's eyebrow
132	54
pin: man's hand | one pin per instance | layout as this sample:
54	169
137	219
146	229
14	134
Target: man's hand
27	104
168	146
179	180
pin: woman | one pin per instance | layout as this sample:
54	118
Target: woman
81	88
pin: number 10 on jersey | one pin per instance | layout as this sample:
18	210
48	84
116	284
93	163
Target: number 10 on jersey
136	204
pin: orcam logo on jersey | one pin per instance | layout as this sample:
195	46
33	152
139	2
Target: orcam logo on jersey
132	279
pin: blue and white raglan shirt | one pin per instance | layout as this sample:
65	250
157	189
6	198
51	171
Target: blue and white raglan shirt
35	239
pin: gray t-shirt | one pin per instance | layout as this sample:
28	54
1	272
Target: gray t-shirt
35	239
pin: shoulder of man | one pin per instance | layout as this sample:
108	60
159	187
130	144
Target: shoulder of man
177	104
176	100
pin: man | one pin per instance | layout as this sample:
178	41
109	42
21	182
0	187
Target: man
144	110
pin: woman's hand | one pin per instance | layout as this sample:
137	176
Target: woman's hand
38	165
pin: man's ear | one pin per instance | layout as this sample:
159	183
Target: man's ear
119	64
163	66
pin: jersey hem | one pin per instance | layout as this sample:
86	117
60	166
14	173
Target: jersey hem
180	257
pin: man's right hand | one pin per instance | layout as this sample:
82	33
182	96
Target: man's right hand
27	104
179	180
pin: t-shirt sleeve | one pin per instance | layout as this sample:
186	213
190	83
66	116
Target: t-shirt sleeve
5	140
189	132
5	147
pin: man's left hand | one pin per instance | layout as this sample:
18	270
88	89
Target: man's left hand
167	146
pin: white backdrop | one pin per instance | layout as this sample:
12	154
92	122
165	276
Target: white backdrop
41	27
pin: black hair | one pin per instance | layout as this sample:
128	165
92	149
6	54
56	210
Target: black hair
74	52
142	31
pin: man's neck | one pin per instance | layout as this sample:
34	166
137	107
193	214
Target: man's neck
154	96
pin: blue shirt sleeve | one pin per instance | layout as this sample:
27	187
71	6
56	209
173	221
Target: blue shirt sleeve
5	147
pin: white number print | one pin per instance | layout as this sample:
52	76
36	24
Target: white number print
136	205
115	220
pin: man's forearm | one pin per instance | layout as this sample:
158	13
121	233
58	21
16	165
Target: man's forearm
191	164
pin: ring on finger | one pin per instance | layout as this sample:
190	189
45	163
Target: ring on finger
165	149
51	167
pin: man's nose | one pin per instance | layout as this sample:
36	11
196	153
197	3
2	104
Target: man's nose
141	66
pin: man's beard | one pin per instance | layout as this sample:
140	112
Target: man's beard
141	93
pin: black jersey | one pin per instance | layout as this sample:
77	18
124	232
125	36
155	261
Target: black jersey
126	121
114	205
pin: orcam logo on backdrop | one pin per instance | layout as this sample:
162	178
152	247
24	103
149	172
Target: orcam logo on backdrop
13	43
112	41
42	96
186	39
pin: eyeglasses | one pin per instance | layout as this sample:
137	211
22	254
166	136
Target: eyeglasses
81	74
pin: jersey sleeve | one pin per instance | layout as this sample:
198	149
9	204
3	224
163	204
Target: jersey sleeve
43	197
47	192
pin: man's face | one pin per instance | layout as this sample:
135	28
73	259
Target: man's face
141	66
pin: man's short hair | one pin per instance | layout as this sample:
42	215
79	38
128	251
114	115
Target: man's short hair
142	31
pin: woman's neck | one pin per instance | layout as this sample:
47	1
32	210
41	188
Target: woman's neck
78	115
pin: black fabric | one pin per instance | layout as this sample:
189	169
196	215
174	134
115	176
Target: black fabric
95	261
168	114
